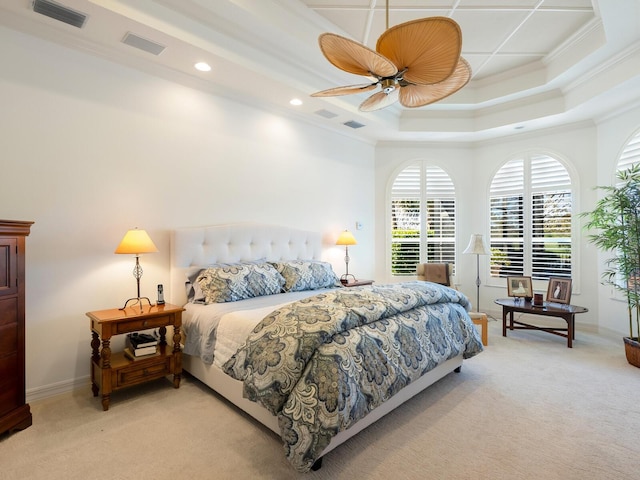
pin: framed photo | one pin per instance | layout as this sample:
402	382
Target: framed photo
519	287
559	290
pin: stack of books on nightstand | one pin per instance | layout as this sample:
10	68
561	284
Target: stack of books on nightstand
140	345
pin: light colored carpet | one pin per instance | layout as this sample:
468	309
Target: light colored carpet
526	408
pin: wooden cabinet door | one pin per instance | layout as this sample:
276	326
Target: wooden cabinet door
8	266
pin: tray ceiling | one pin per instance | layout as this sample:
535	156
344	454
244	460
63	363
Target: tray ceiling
536	63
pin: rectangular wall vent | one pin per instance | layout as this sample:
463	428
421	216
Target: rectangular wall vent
353	124
326	113
148	46
59	12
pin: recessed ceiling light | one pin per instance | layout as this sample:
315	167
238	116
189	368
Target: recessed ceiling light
295	101
203	67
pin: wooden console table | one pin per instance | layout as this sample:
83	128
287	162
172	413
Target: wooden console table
566	312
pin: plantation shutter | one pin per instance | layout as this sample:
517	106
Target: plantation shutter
441	225
531	204
507	220
422	218
551	218
405	221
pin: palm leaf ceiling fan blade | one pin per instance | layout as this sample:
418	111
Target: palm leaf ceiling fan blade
353	57
346	90
379	100
428	48
419	95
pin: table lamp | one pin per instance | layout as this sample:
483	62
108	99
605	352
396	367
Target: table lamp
136	242
478	247
346	238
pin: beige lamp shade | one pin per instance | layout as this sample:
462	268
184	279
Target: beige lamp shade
477	245
136	242
346	238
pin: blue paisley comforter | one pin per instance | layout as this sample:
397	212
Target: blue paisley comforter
323	363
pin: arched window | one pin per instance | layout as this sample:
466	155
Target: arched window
630	154
531	207
423	218
629	157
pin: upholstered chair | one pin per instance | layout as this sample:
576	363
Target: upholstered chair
441	273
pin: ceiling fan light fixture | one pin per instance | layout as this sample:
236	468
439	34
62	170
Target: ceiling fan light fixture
416	62
388	85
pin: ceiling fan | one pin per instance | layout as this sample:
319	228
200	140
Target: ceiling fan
415	63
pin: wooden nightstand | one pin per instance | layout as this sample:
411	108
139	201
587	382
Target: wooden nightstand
113	371
358	283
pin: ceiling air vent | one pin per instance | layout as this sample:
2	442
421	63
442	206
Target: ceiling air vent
148	46
353	124
326	113
60	13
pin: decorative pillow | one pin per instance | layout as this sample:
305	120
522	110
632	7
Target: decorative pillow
233	282
306	275
194	292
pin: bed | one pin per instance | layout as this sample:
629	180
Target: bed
311	360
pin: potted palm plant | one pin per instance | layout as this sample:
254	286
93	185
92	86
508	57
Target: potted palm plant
614	226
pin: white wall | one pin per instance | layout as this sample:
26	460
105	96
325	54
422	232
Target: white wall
91	149
471	169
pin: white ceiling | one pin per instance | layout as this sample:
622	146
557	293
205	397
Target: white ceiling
536	63
497	38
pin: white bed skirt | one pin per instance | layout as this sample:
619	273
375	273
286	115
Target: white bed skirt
231	389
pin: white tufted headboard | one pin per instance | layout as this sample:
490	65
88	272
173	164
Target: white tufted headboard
201	246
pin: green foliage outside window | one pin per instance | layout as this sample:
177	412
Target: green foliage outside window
404	255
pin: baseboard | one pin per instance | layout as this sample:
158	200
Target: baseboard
53	389
610	333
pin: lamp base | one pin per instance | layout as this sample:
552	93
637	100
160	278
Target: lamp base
344	279
137	300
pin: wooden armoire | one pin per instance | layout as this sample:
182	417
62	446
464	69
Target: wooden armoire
15	413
